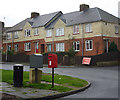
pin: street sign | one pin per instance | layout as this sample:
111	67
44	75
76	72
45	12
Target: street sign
86	60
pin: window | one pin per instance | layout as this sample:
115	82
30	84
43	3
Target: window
16	47
59	31
116	29
76	29
36	31
49	47
76	46
9	48
59	46
49	33
88	28
27	46
89	45
16	35
8	36
27	32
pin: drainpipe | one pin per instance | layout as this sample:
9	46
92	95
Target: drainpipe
12	40
53	40
82	39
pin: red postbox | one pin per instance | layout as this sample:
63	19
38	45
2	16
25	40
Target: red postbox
52	61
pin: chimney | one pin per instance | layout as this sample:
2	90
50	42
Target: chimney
34	14
84	7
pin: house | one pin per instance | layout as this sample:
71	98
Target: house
89	31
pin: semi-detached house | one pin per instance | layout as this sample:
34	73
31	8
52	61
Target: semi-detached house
89	31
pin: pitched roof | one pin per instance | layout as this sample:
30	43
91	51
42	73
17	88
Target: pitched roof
77	17
89	15
34	22
43	19
18	26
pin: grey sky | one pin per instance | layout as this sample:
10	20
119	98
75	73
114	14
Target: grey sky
15	11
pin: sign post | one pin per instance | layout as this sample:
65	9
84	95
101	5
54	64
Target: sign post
52	63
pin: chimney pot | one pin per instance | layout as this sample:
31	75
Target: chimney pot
34	14
84	7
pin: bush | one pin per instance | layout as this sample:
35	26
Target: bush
113	47
71	52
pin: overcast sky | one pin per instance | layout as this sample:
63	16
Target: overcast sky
15	11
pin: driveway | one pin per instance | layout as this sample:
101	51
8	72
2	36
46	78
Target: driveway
104	80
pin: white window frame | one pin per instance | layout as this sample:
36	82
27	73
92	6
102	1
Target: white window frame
49	33
27	33
88	28
60	47
76	29
49	47
16	47
116	29
9	48
60	32
8	36
88	42
16	35
36	32
75	45
27	46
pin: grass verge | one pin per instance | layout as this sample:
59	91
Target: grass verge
66	82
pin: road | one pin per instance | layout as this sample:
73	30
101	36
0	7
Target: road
104	80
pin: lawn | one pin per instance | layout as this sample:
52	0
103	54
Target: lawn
66	83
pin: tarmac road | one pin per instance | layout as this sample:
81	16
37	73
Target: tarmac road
104	80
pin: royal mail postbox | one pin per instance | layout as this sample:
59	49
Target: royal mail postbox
52	61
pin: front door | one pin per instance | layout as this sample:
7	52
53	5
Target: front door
106	45
36	47
42	48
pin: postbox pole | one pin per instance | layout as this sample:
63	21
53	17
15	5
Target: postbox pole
52	77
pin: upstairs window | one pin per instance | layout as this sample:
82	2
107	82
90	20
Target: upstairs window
27	46
27	32
16	35
89	45
8	36
76	46
75	29
88	28
36	31
59	31
116	29
49	33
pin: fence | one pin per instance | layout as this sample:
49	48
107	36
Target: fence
66	60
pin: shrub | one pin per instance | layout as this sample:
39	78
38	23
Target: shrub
113	47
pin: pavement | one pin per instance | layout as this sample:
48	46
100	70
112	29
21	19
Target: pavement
25	92
33	93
